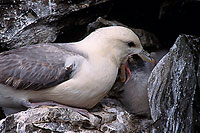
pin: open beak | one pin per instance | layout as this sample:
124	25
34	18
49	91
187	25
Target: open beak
125	69
147	57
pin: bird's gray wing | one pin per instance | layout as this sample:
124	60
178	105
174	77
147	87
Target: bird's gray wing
38	67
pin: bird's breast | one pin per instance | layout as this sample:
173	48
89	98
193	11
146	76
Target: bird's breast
86	88
97	80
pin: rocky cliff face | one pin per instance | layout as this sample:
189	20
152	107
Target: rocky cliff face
31	22
108	116
173	88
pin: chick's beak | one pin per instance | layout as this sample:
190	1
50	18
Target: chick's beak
147	57
124	68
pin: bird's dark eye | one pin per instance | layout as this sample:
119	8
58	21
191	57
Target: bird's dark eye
131	44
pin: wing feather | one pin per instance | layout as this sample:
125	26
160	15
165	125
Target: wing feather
36	67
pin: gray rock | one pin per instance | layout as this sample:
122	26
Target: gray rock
107	116
31	22
173	88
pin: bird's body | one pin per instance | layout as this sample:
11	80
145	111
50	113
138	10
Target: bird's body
66	91
77	74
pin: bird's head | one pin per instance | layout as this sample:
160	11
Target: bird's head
115	41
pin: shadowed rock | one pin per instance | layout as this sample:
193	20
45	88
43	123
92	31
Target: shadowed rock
31	22
173	88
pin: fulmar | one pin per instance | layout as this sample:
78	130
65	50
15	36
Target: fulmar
77	74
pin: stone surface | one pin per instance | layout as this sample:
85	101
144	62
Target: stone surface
173	88
31	22
108	116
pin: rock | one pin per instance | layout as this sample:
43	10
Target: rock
173	88
30	22
148	40
108	116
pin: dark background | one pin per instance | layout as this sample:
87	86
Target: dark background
165	18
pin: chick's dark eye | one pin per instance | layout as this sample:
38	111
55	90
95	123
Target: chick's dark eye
131	44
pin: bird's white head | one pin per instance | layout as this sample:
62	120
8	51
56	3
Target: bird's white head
115	41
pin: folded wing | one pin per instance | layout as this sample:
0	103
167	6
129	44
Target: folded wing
38	67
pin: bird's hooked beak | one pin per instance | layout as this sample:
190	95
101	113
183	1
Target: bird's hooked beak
125	69
147	57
